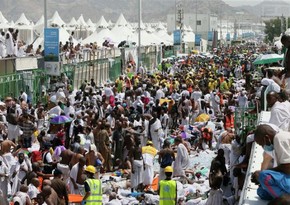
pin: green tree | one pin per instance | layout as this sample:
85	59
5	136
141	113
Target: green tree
273	28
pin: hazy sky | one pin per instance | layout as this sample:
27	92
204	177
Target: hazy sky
247	2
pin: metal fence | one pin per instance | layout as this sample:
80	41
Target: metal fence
245	121
32	82
100	65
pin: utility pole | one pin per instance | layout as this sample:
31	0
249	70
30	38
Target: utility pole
45	14
220	11
282	23
180	22
175	15
286	25
195	16
139	33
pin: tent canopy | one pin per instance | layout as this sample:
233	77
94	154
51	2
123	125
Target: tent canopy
22	20
72	22
122	33
102	23
90	23
81	21
3	20
56	20
121	21
100	37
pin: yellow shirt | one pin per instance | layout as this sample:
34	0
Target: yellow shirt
149	150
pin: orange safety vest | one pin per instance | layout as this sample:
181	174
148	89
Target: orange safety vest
229	122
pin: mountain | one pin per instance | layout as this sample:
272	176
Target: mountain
152	10
268	8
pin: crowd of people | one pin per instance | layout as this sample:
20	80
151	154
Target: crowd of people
12	46
75	142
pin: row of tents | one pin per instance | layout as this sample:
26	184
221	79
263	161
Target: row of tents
88	32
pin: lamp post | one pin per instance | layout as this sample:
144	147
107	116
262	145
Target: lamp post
175	15
139	33
45	14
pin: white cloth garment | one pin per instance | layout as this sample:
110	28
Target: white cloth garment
19	176
2	48
55	110
280	116
73	174
65	172
149	171
32	191
137	177
181	161
13	131
156	133
4	180
9	44
215	197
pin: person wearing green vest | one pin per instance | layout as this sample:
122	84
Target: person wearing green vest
93	188
167	189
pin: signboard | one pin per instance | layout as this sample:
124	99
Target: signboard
228	37
210	36
235	36
28	63
51	51
52	68
51	44
197	39
177	37
248	35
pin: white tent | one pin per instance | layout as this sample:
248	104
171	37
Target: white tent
6	25
81	22
63	37
40	21
102	23
82	31
155	38
149	29
91	24
160	26
25	28
73	23
39	26
147	39
23	20
3	20
56	21
165	36
122	33
189	36
100	37
121	21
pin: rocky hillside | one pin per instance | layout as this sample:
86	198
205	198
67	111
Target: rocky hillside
153	10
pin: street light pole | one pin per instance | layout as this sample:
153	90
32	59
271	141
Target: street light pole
45	14
175	15
139	33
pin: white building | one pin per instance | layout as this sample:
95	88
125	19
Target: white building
200	23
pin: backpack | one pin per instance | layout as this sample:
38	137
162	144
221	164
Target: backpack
166	160
36	156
